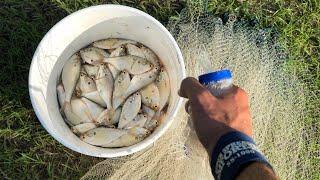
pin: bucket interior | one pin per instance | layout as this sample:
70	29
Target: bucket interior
126	24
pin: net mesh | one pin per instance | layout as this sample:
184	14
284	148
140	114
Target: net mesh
277	103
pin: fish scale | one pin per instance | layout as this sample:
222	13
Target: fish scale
70	75
121	85
104	82
130	109
150	96
142	80
110	137
163	84
120	51
133	64
93	55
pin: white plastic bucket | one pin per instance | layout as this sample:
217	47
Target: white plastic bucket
77	31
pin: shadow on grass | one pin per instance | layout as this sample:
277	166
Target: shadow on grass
27	151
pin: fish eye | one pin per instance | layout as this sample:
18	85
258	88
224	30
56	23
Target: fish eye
89	83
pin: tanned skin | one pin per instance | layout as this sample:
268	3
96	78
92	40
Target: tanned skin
215	116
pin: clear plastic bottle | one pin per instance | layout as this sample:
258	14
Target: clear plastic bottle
218	82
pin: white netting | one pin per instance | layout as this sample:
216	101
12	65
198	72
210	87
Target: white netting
276	98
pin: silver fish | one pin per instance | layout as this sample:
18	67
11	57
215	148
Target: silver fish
152	121
79	108
70	75
109	117
104	82
76	112
93	55
130	109
105	117
116	117
150	96
95	97
163	84
86	84
114	71
151	124
61	94
133	136
137	121
160	115
88	89
139	132
112	43
121	85
134	51
91	70
109	137
82	128
150	112
94	109
120	51
133	64
150	56
100	136
142	80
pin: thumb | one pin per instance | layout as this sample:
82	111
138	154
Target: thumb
190	87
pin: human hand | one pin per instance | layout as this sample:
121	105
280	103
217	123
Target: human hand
215	116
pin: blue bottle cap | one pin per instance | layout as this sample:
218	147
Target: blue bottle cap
215	76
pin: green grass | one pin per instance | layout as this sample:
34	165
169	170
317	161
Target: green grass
27	151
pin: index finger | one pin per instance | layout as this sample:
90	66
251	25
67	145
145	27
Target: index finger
190	87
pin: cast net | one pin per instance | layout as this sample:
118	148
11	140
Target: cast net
277	101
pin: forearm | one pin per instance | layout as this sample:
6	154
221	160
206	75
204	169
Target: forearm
255	171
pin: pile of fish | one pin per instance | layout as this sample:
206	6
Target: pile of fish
113	93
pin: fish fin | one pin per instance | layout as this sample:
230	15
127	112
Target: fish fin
65	104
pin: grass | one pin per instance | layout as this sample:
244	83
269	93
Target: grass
28	152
